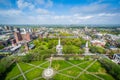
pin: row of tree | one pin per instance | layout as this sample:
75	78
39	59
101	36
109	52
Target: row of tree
45	47
50	43
5	63
97	49
111	68
39	53
69	45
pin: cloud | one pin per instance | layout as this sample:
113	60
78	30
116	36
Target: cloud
75	17
33	4
95	8
107	14
78	16
22	4
94	13
40	1
41	11
11	12
45	3
43	16
90	9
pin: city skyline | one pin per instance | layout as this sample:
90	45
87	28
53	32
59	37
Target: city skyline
59	12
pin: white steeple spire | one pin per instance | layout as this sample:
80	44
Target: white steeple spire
59	41
59	48
87	47
87	37
86	44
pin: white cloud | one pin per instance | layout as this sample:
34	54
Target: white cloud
45	3
10	12
75	17
42	11
22	4
90	9
57	17
78	16
40	1
107	14
43	16
93	8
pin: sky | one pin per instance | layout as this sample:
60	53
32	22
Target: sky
59	11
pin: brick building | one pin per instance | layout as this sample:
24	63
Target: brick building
17	36
22	35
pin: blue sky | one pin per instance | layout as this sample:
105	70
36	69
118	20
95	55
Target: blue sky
59	11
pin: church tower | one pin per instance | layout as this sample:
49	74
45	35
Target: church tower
86	48
59	48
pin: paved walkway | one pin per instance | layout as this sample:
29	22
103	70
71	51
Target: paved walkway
85	70
21	71
59	71
29	70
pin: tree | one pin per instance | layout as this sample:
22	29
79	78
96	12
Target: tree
107	45
112	68
96	49
27	58
22	48
2	68
93	49
101	50
5	63
69	49
1	46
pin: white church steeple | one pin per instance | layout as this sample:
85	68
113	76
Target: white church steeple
86	46
59	42
59	48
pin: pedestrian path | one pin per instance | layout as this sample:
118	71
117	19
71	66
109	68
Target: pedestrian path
21	71
59	72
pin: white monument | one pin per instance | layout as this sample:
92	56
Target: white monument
49	72
86	48
59	48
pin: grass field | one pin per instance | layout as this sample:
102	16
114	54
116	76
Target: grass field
65	70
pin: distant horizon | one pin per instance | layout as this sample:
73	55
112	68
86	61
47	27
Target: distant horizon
59	24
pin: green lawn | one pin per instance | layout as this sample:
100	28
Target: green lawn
96	68
15	71
65	70
34	74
